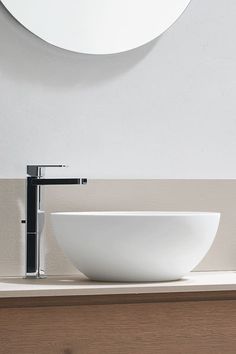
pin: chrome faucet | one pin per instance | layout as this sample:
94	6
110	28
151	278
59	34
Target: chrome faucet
34	182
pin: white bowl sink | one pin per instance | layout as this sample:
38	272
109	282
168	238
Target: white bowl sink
135	246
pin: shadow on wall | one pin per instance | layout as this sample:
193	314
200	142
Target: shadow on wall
26	57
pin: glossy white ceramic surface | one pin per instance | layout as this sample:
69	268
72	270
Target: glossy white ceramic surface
97	27
135	246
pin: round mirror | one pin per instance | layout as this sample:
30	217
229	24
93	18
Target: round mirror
96	26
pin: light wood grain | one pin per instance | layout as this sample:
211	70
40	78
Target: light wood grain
155	327
48	301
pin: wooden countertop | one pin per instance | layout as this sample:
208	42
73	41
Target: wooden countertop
81	286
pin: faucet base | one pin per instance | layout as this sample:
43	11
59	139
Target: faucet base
35	276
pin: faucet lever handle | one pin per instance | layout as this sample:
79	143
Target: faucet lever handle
39	170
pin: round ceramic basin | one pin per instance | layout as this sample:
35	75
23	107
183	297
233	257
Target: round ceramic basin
135	246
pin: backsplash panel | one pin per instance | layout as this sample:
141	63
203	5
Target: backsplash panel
163	195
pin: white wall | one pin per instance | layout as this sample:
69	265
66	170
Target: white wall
166	110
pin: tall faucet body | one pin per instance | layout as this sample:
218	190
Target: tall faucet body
34	183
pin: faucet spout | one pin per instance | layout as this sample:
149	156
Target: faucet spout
58	181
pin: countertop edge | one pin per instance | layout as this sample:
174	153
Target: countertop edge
80	286
117	291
